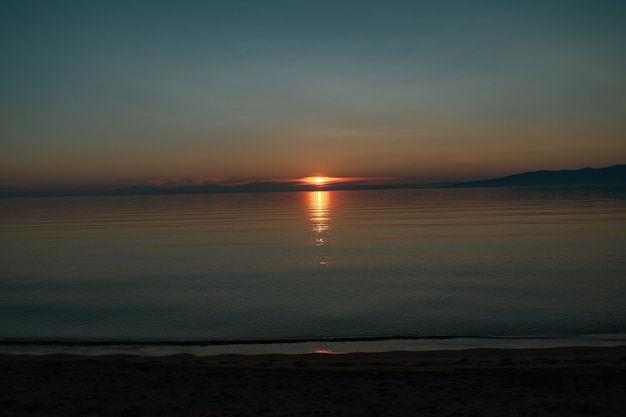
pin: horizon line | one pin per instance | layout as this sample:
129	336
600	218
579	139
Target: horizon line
582	176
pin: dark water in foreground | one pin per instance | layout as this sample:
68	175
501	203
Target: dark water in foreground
484	263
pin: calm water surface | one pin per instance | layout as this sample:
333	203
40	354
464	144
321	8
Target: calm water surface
488	262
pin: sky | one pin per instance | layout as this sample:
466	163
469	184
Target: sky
173	92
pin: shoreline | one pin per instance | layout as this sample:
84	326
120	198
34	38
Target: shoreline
303	346
563	381
254	341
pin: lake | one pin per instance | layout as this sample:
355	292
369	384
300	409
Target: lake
400	264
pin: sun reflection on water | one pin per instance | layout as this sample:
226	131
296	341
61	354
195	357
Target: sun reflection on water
320	216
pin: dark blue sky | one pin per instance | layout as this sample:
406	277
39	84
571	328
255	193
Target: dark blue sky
133	91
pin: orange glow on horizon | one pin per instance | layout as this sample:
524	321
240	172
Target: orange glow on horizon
325	351
322	180
317	180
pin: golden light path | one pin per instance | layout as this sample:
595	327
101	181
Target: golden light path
319	207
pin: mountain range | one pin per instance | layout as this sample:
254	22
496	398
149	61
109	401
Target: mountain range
614	175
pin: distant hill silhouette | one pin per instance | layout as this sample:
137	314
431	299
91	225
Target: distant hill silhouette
615	175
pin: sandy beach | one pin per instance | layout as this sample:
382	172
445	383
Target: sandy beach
480	382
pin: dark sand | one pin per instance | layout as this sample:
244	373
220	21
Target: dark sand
481	382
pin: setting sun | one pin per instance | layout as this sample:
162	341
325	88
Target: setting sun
319	180
324	182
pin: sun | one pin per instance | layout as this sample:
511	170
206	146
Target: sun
318	180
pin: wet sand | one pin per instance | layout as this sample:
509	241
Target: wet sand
570	381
